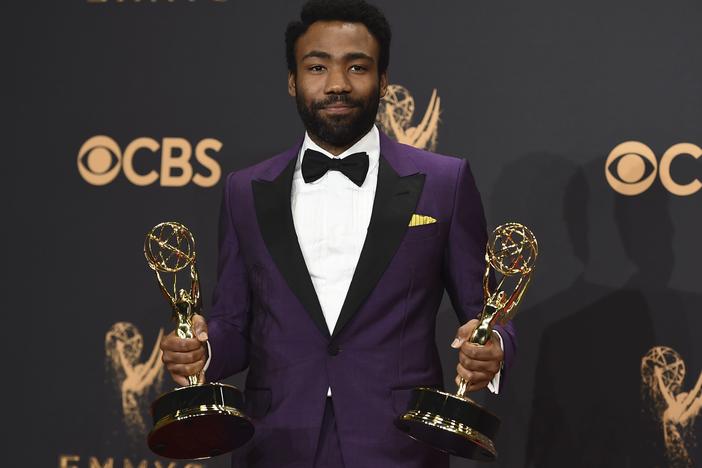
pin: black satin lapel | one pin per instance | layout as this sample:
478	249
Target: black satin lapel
395	200
274	214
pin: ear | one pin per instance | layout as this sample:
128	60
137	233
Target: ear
292	89
383	84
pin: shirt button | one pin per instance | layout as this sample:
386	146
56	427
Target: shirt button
333	349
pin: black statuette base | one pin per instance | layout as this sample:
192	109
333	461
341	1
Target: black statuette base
199	421
451	424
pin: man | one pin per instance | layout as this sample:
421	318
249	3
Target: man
325	292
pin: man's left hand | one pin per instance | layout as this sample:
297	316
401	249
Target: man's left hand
476	364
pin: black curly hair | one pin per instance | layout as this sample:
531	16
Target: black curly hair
354	11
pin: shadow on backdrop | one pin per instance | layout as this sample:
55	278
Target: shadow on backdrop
588	407
531	190
548	193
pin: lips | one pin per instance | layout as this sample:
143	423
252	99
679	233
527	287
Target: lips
338	109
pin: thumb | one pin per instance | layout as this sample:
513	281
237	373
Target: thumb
200	327
464	332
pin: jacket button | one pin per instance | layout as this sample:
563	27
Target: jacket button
333	349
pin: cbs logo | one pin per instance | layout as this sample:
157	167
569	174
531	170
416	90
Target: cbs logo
631	168
145	161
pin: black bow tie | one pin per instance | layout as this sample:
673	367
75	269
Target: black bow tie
316	164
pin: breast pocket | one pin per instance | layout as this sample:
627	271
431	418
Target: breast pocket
422	232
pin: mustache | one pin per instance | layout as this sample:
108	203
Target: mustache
336	99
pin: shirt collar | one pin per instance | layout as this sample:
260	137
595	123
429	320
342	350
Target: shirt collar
369	144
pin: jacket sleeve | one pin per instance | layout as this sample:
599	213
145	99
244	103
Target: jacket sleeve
228	324
464	258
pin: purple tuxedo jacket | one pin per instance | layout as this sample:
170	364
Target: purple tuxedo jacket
266	315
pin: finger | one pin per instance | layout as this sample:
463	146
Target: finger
472	387
200	327
490	367
174	343
180	380
185	370
184	358
472	376
488	352
463	333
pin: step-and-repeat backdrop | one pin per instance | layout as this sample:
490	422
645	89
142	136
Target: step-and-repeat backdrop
582	120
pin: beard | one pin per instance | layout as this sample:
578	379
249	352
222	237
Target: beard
340	131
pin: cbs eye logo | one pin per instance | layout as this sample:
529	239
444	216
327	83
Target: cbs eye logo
631	168
100	160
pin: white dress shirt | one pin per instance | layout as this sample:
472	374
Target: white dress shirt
331	217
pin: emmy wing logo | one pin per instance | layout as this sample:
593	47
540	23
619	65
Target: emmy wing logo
663	375
395	118
136	381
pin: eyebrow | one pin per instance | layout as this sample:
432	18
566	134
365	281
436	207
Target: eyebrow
358	56
327	55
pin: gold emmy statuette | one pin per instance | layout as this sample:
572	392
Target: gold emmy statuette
200	420
454	423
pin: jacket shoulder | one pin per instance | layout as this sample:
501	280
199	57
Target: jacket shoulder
268	168
435	164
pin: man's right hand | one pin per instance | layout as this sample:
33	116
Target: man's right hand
186	356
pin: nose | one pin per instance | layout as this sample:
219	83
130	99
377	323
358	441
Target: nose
337	82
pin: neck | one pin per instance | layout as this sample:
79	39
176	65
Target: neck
331	148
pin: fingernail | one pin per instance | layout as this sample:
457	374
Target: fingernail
202	336
456	343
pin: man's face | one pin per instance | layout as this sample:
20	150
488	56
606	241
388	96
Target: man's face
337	86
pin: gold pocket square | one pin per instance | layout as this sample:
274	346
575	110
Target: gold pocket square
421	220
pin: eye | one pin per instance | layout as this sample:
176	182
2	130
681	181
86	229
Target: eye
316	68
358	68
99	160
630	168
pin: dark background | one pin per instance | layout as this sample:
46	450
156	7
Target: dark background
535	95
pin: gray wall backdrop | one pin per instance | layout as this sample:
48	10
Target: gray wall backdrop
535	94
